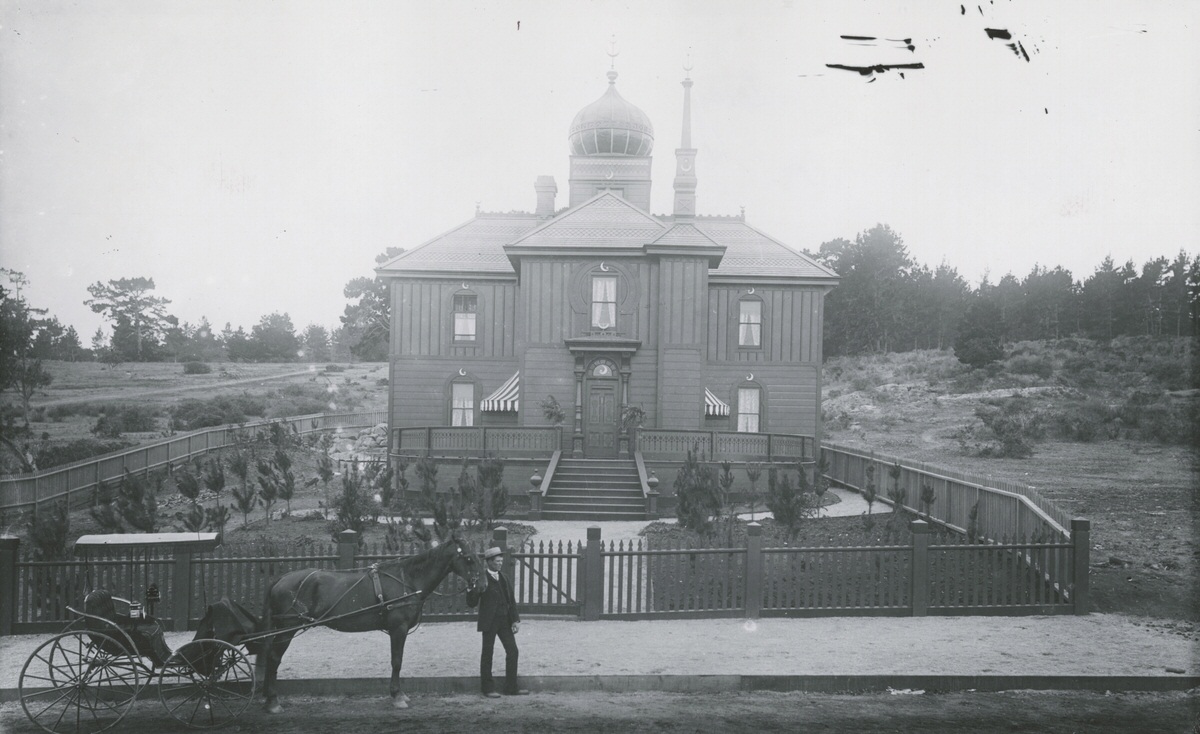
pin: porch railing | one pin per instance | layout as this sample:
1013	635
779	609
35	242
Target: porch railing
659	444
509	442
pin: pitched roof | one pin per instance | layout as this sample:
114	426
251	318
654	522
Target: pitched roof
604	221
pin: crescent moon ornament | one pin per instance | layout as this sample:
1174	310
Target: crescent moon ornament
749	292
749	377
464	286
462	372
603	267
609	175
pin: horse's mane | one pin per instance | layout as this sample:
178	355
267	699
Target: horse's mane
419	563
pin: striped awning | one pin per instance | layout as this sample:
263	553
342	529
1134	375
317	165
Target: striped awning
507	397
714	405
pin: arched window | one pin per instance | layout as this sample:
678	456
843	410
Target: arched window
604	302
750	316
749	409
462	403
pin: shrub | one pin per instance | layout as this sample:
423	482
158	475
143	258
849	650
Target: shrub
1088	421
192	414
1014	425
196	368
1040	366
696	494
789	505
126	418
49	529
78	450
59	413
334	368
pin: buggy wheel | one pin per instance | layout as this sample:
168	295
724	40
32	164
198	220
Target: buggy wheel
206	683
79	682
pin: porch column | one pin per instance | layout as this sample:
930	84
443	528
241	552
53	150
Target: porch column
577	437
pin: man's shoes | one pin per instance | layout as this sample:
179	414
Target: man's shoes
518	692
491	694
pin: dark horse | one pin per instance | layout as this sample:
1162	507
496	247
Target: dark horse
387	596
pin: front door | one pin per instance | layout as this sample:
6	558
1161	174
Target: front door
600	419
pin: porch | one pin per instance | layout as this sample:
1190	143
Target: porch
565	485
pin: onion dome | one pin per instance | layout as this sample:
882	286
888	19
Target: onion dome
611	126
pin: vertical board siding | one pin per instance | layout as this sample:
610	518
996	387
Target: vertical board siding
790	325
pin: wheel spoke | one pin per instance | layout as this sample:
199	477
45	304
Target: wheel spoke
181	704
65	692
230	693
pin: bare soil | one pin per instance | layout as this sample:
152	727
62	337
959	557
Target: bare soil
924	713
1141	497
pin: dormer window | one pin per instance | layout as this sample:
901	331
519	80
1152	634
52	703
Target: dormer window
604	302
750	322
465	308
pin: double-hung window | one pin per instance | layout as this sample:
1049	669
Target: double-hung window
462	404
750	323
465	308
748	409
604	302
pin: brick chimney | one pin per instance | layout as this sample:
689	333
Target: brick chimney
546	189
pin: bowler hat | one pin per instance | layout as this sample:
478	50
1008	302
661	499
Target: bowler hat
492	552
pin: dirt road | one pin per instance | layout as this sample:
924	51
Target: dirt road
568	713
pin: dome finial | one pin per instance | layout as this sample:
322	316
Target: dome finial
687	63
612	56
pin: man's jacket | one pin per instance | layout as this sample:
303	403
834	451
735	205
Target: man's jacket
497	604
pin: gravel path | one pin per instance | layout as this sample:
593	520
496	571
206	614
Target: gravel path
1097	644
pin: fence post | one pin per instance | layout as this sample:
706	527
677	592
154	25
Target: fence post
754	570
1081	531
8	583
181	591
500	539
347	548
593	575
919	591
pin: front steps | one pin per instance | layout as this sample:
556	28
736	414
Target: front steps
594	489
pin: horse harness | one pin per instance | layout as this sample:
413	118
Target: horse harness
384	605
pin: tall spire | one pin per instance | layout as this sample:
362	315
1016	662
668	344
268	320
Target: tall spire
685	156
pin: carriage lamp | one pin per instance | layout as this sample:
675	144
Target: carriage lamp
152	597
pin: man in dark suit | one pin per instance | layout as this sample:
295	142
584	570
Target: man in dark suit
497	618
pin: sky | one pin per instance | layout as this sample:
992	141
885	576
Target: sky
254	156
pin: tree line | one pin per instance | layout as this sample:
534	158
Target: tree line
886	302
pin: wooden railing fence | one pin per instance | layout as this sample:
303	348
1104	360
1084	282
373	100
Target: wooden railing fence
1005	509
76	481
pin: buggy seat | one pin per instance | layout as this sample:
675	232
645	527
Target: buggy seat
146	634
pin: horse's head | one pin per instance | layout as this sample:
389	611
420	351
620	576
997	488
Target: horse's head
464	563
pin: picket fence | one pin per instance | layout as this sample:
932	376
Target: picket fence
593	580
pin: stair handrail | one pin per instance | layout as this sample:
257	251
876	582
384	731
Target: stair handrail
648	493
550	469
